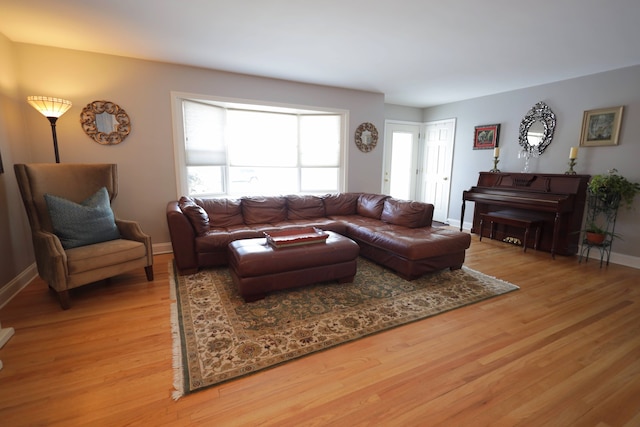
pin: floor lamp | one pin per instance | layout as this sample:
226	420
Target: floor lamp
51	108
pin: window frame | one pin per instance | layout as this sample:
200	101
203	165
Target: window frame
244	104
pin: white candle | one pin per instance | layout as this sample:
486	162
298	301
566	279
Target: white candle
496	152
573	154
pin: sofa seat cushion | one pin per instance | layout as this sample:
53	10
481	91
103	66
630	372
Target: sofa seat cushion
218	239
413	244
357	220
104	254
322	223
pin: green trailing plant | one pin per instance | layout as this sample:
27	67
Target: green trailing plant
612	189
607	192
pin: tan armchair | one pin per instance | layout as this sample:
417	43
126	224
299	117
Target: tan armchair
65	269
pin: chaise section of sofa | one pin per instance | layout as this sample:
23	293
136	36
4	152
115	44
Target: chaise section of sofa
394	233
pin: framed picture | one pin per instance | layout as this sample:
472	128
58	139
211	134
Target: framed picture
485	137
601	127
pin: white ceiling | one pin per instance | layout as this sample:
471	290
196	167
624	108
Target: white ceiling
417	52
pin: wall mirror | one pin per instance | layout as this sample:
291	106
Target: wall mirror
536	128
366	137
105	122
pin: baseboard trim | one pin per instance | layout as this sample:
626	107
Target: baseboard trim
11	289
5	334
162	248
621	259
616	258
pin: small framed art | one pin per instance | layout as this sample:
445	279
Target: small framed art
485	137
601	127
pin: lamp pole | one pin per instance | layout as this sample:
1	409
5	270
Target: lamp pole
55	137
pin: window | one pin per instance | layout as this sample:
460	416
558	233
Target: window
232	149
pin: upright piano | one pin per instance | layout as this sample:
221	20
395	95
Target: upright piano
557	200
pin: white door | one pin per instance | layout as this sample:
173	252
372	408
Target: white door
436	166
400	160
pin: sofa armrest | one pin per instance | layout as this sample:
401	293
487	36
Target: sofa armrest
182	238
51	259
131	230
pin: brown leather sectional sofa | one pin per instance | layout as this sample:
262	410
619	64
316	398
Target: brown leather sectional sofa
394	233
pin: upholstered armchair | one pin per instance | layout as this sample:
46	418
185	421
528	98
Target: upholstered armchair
76	238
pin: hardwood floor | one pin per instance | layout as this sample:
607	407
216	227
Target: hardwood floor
564	350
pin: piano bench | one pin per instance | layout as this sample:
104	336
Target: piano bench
515	219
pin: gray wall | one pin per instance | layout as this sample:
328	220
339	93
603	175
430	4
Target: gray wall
402	113
568	99
16	252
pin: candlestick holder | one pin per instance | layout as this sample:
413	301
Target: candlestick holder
572	163
495	165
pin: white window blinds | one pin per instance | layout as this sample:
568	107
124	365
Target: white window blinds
204	134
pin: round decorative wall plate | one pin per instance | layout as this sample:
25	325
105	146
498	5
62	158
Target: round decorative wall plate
366	137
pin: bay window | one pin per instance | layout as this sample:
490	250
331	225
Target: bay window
234	149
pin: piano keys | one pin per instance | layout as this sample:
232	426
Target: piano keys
557	200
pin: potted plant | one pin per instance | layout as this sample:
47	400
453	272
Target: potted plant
596	235
607	192
613	189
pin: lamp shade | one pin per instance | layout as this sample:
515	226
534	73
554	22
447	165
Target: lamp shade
49	107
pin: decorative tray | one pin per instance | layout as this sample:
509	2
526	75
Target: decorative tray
301	236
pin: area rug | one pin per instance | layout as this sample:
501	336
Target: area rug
218	337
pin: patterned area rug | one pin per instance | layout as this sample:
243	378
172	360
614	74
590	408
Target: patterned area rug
219	337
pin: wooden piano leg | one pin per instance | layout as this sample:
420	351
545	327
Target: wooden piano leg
556	228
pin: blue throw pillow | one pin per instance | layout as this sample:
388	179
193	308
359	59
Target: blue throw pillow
91	221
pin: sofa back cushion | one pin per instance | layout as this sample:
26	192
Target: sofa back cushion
341	204
371	205
222	212
197	216
304	207
407	213
264	210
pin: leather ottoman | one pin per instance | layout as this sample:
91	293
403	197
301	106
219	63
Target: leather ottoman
258	268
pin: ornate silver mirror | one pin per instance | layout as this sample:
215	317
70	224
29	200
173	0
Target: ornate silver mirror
105	122
536	128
